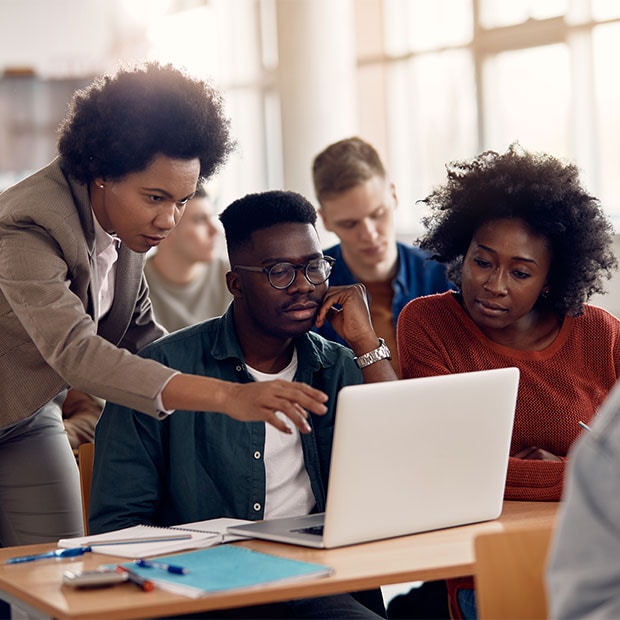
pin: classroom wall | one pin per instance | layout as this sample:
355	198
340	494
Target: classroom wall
28	37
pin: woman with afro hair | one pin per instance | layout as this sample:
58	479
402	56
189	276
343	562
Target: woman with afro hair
526	246
74	306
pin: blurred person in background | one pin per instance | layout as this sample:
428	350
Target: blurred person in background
357	202
187	275
583	573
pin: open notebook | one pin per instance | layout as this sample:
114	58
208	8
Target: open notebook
143	541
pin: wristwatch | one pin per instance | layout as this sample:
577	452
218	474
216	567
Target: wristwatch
382	352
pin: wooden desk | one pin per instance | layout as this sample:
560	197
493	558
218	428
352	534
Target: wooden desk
36	586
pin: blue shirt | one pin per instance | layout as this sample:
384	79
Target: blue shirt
417	275
194	465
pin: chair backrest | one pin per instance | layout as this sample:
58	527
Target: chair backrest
86	455
510	573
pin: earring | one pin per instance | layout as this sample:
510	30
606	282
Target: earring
101	185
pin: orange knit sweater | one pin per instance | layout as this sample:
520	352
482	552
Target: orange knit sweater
558	387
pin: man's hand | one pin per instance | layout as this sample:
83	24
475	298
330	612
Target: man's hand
255	402
351	319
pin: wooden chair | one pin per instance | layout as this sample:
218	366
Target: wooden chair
86	455
510	574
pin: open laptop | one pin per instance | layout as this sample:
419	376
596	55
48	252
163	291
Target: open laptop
410	456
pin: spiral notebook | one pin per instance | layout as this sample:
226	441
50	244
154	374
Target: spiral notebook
143	541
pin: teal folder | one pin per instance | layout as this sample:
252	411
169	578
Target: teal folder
226	567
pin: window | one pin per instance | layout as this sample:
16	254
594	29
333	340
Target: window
437	81
471	75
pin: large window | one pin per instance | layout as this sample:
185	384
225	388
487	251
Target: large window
471	75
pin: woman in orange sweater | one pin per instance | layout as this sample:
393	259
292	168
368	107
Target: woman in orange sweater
526	246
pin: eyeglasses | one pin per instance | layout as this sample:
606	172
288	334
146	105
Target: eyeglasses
282	275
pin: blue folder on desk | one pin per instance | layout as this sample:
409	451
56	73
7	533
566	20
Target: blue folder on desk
226	567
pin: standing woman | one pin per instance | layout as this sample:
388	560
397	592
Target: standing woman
74	306
527	247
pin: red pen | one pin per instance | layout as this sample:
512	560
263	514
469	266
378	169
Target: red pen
141	582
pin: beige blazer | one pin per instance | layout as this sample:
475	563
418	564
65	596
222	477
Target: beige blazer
50	332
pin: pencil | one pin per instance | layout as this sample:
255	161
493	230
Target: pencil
138	540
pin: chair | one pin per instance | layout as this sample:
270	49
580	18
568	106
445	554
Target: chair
86	455
510	573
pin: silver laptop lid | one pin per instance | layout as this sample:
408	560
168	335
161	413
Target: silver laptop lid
419	454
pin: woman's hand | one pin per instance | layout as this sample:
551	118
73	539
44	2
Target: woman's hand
261	401
536	454
247	402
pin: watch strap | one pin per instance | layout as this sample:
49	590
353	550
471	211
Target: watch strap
382	352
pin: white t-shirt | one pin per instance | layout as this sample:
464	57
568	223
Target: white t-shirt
288	491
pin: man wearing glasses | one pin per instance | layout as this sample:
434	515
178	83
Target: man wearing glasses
201	465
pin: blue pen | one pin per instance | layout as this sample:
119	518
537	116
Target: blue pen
171	568
57	553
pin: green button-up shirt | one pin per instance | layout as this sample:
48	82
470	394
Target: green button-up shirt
202	465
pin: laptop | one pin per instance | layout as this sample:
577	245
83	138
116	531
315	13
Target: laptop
410	456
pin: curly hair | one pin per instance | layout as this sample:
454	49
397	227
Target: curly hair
544	192
262	210
119	123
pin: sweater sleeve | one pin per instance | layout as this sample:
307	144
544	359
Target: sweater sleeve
421	353
532	480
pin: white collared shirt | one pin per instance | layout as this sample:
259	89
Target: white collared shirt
106	250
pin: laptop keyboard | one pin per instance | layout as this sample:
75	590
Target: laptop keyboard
315	530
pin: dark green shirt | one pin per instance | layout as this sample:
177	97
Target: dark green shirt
202	465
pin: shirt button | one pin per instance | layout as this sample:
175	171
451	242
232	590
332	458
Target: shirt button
256	506
257	455
238	368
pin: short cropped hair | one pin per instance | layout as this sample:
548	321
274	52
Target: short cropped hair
343	165
543	191
121	122
262	210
